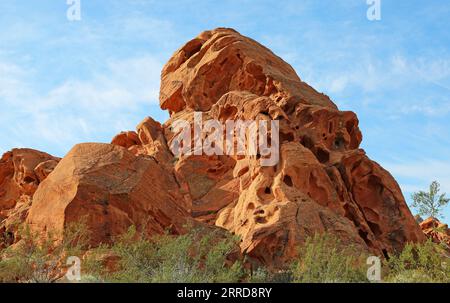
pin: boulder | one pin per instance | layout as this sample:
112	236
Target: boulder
110	189
222	60
437	231
21	172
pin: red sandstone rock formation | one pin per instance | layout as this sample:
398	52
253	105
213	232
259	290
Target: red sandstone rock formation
436	231
323	183
21	172
112	189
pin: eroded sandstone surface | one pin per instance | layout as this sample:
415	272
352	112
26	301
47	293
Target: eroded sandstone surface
437	231
323	182
21	172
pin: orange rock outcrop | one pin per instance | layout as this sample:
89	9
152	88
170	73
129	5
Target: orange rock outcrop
21	172
111	189
323	182
437	231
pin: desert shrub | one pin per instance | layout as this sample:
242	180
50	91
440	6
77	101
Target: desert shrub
419	263
198	256
41	259
323	259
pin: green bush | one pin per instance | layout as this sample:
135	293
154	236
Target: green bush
423	262
199	256
41	259
323	259
205	255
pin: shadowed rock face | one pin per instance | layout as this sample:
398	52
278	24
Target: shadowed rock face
323	182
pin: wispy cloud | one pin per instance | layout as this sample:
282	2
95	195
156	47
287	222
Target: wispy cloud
419	174
77	110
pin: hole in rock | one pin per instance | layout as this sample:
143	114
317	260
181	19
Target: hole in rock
28	179
375	228
307	142
286	137
228	112
363	235
267	191
339	143
349	126
288	181
289	108
260	220
322	155
192	49
259	212
10	237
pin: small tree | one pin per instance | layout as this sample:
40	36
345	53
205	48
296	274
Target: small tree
430	203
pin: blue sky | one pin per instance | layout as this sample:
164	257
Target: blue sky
65	82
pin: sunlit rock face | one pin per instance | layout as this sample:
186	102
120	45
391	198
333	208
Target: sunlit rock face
21	172
323	181
437	231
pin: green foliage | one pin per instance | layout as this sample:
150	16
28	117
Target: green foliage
323	259
424	262
430	203
39	259
204	255
199	256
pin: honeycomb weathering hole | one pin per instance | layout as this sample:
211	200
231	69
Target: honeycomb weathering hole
288	181
322	155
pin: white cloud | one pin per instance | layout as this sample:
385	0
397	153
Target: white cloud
12	78
433	70
421	173
338	84
76	110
